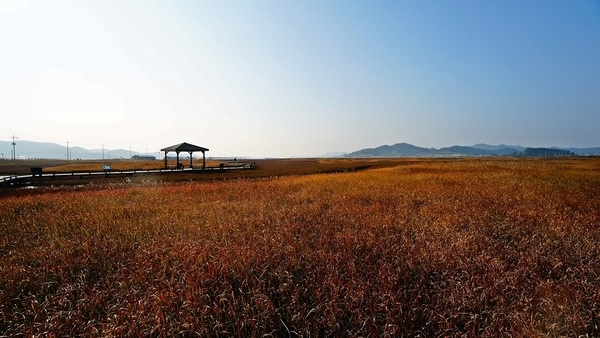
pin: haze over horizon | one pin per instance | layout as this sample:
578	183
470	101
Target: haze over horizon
281	79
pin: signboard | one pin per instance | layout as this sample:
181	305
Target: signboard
106	167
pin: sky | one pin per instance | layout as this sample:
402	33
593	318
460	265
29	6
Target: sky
299	78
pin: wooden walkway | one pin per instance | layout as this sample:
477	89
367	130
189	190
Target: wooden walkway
20	180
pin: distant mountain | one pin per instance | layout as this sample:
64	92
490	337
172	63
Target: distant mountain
510	149
29	149
332	155
464	151
396	150
500	147
409	150
584	151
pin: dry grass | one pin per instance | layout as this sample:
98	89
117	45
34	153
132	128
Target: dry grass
265	168
431	248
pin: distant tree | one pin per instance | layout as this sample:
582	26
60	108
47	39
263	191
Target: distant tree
546	152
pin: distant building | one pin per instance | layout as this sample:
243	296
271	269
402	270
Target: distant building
143	157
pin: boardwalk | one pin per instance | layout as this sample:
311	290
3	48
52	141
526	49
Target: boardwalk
28	179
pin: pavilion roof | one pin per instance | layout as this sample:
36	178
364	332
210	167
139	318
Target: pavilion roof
184	147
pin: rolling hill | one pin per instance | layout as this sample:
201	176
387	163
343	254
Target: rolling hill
46	150
409	150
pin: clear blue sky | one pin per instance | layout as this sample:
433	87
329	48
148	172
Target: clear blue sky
300	78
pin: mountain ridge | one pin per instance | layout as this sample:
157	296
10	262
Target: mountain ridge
481	149
48	150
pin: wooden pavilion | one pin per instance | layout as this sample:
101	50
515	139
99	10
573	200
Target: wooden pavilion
185	147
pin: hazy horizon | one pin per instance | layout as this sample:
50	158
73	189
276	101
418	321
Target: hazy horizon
282	79
27	149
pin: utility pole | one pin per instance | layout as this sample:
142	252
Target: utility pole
67	149
103	151
14	152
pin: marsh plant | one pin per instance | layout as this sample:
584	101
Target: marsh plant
431	248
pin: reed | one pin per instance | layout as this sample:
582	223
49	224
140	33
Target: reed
432	248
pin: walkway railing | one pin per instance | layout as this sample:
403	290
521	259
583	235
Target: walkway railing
19	179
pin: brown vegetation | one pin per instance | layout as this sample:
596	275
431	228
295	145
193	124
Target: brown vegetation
428	247
268	168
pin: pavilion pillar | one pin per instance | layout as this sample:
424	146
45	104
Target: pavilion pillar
177	159
189	152
165	159
203	161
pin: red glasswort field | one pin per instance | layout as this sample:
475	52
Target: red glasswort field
476	247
